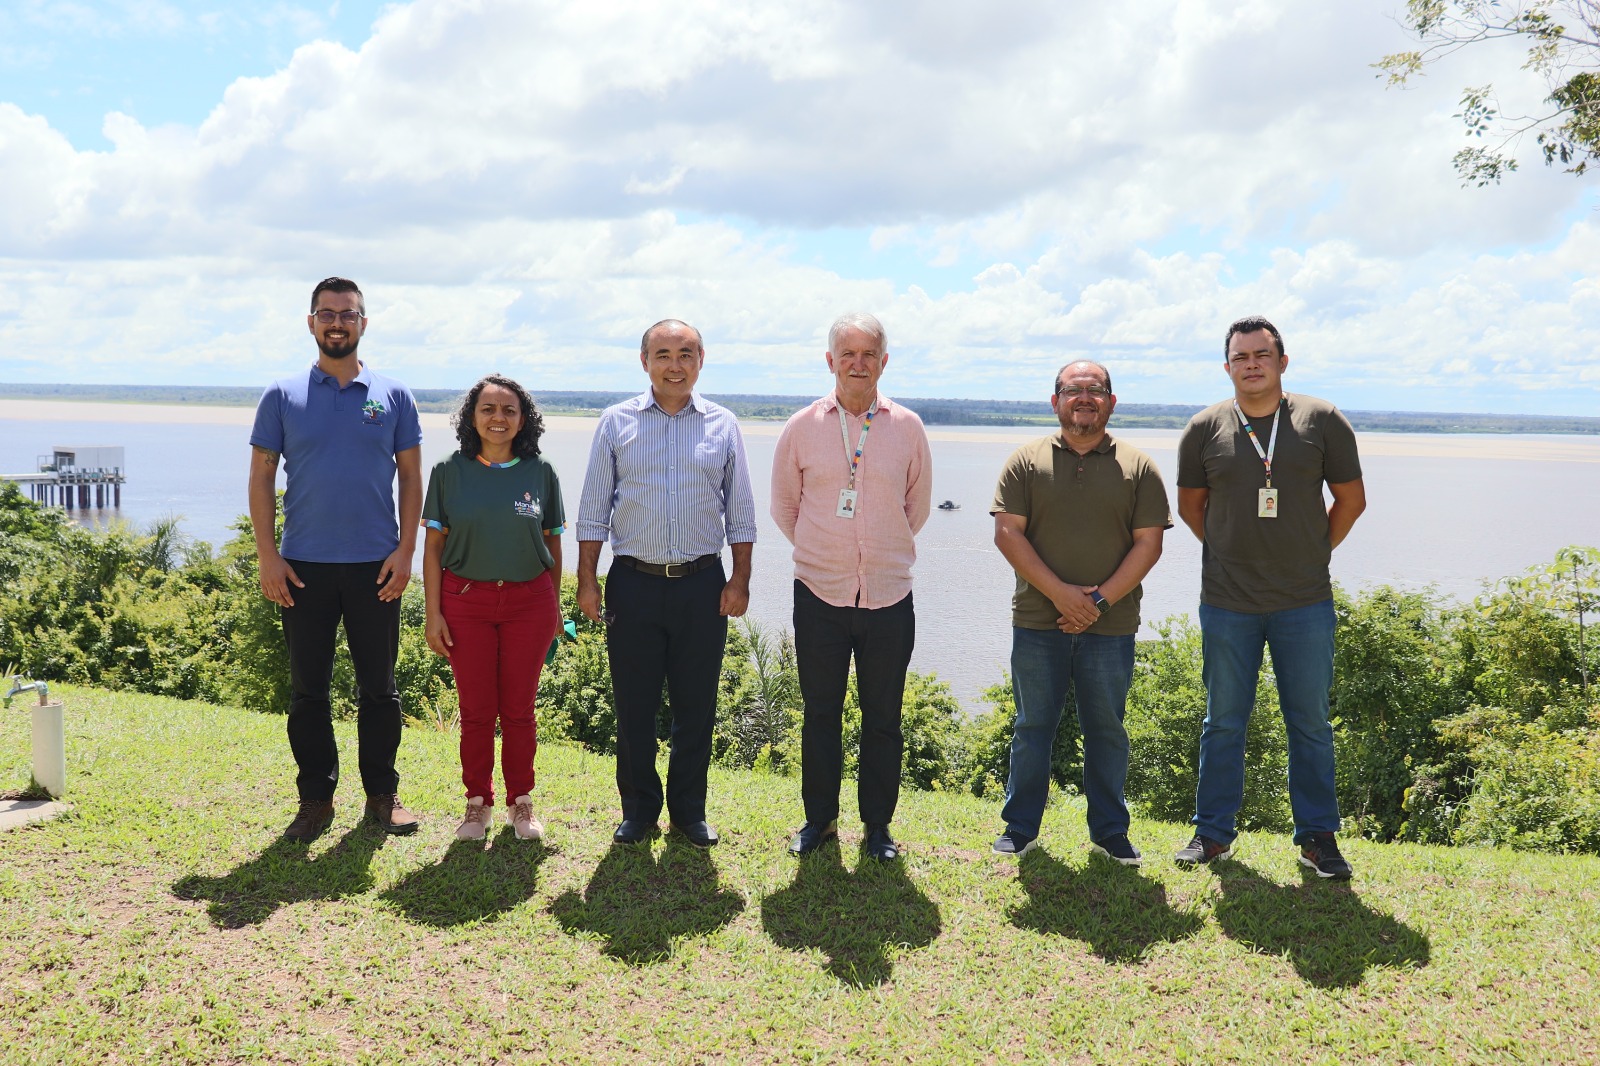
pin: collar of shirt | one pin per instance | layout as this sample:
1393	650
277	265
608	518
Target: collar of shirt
647	399
1060	441
363	376
830	403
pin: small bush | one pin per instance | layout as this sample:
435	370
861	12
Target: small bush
1536	790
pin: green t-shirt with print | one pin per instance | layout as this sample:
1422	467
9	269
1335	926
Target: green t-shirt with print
494	517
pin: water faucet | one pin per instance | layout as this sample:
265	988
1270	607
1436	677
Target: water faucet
17	686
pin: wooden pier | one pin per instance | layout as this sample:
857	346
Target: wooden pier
76	476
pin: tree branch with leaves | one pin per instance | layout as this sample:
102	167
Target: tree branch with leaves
1563	47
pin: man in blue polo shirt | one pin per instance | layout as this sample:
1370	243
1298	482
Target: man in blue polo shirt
342	433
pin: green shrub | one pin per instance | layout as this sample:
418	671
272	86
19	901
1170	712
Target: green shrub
1389	687
1536	789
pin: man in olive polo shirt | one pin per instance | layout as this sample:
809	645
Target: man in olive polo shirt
1080	517
1251	472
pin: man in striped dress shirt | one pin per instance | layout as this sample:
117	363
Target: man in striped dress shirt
667	483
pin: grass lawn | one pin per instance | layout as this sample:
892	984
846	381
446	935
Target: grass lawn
163	921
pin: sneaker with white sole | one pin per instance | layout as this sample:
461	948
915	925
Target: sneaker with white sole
1118	848
475	824
1320	852
1013	843
526	826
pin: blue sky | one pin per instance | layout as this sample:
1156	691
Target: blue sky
524	186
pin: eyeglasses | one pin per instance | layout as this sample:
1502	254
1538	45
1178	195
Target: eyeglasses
1072	392
344	318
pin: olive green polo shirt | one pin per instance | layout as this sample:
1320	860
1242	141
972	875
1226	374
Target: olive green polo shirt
494	518
1081	511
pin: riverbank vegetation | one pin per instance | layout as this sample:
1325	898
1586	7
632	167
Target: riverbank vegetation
935	411
1458	723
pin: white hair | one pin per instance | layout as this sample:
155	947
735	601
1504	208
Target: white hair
866	323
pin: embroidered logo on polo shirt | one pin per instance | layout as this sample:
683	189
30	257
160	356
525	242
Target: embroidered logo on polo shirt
527	507
372	413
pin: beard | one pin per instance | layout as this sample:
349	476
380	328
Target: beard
1074	428
346	347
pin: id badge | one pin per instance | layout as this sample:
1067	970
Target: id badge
847	504
1266	503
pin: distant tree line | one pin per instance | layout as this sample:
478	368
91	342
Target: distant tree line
935	411
1475	723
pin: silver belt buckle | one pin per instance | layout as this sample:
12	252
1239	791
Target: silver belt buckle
676	570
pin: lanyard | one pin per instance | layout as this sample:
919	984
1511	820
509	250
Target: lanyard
1272	443
844	432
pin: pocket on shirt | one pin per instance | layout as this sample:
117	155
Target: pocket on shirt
711	458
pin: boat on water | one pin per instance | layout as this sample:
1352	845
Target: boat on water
949	505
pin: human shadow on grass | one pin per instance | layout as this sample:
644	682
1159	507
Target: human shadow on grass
471	882
1118	911
283	873
1330	936
855	917
640	904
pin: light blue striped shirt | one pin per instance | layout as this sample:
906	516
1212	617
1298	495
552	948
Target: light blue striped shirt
662	487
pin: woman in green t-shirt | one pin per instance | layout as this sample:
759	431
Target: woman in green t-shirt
491	569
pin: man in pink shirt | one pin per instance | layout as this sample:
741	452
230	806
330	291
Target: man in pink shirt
851	486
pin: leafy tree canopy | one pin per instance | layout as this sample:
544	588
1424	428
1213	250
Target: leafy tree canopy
1563	47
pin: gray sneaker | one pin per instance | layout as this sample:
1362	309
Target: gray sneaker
1013	843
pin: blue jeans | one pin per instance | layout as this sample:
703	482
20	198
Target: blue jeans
1301	640
1044	664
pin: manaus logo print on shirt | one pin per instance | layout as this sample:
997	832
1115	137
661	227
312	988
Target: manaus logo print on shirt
527	507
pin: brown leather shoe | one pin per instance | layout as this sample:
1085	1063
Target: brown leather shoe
313	818
390	813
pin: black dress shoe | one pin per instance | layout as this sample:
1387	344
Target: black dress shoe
811	836
633	831
700	834
880	845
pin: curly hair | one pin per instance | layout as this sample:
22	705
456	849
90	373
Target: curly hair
525	445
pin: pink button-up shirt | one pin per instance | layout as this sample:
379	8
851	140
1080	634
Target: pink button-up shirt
863	561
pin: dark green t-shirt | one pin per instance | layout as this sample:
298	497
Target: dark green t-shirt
494	518
1081	512
1257	565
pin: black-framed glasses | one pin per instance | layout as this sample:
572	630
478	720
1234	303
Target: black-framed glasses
344	318
1074	391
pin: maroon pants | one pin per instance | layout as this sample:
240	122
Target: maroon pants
501	632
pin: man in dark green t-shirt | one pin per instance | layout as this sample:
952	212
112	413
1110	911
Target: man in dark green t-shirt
1080	517
1251	472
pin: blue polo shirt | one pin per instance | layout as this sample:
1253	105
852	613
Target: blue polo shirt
338	447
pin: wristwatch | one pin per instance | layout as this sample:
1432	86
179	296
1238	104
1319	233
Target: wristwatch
1100	601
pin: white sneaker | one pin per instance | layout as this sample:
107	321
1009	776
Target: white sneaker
522	820
475	824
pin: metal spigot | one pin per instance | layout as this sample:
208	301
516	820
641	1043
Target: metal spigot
18	686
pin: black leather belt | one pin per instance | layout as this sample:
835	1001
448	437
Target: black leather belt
668	569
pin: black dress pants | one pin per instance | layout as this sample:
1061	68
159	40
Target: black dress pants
665	630
825	637
348	592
